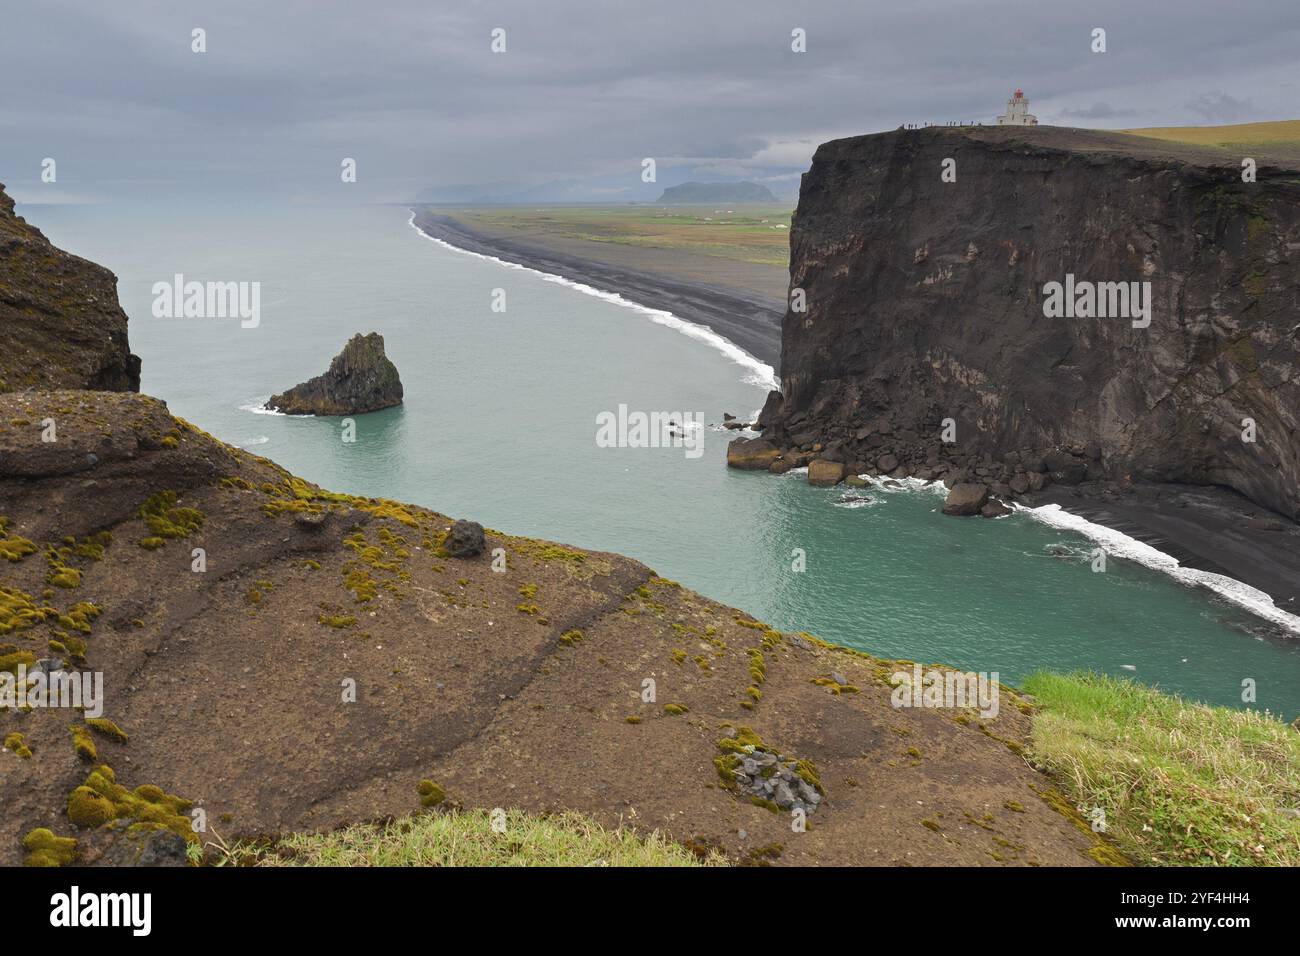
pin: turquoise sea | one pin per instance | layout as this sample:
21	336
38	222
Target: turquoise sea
500	424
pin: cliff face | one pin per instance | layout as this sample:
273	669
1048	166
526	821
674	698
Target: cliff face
61	323
925	301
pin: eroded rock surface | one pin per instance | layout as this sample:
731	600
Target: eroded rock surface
360	379
925	302
60	320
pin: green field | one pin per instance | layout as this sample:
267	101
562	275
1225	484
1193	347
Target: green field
753	234
1281	138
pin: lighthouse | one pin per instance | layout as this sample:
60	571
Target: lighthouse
1017	113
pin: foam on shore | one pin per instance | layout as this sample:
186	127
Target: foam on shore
258	408
757	372
1121	545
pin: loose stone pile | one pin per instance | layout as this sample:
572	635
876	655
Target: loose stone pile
768	779
763	775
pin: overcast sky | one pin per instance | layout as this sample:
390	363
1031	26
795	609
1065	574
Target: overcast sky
584	91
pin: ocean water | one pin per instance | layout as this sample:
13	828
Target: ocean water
500	425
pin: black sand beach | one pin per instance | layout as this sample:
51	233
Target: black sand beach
752	320
1207	528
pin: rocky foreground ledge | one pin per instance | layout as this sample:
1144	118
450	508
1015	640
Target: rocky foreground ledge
285	658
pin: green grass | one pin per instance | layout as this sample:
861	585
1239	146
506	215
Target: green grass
744	233
1276	143
1181	783
1282	132
466	838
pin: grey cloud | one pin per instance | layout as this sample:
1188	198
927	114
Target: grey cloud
1221	108
1098	111
410	89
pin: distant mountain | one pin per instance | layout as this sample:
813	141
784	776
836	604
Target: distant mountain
717	192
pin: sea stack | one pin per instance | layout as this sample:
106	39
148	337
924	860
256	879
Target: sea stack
360	379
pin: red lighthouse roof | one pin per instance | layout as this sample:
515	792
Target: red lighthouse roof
1020	94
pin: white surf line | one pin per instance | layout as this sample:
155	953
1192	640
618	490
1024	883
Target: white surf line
905	484
760	373
1121	545
257	409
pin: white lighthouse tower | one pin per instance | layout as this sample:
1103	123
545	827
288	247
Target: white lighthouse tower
1017	113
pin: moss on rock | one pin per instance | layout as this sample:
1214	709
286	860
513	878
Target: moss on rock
45	849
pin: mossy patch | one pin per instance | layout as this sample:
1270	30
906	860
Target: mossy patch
83	744
16	743
9	663
79	616
14	547
339	621
806	771
547	552
45	849
166	519
107	728
101	799
431	794
19	612
93	547
363	587
88	809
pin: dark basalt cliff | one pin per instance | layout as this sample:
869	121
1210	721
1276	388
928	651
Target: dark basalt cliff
360	379
925	302
60	322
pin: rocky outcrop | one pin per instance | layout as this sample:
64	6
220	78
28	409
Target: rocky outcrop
751	454
966	498
360	379
825	474
465	540
926	312
62	325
